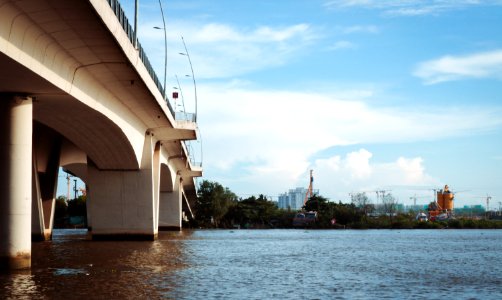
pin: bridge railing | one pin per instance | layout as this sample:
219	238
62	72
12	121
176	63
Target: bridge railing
119	12
183	116
192	153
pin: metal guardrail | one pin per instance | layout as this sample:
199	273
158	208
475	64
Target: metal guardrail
183	116
196	164
119	12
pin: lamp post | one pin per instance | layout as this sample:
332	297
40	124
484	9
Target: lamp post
75	187
136	4
194	87
193	76
165	46
181	93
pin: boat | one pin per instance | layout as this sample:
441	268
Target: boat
442	208
305	219
421	217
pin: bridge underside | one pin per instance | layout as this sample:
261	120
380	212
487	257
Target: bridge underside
69	68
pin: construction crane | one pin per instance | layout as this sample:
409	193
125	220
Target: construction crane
380	194
310	188
415	197
306	218
488	198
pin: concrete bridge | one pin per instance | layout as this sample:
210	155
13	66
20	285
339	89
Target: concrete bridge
75	92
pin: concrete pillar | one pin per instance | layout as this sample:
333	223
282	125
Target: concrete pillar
88	210
46	152
37	211
170	211
74	160
16	121
122	202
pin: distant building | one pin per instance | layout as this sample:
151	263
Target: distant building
293	199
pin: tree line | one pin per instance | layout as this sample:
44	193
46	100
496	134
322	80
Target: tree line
70	213
218	207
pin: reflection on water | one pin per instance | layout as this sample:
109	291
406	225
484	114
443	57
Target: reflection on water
20	285
260	264
72	266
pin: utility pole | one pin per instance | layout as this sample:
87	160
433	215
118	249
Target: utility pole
381	195
68	176
193	75
488	198
75	187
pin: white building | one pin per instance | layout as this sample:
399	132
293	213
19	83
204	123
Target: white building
293	199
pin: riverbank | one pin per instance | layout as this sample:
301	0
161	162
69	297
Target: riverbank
412	224
399	222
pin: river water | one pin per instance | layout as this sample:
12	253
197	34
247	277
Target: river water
266	264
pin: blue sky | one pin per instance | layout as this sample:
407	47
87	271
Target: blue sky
370	94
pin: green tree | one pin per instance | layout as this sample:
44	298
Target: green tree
60	212
61	207
362	202
213	202
389	205
316	203
326	211
77	207
256	212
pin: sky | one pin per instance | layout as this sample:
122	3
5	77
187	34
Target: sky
402	96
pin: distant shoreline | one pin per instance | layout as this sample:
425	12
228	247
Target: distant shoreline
385	224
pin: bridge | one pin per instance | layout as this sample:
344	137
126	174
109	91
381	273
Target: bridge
78	92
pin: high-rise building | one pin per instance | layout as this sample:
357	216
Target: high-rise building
293	199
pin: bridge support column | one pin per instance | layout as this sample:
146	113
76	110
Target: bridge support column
122	203
16	128
47	148
170	209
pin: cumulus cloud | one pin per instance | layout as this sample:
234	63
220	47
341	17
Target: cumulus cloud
263	141
355	172
449	68
357	163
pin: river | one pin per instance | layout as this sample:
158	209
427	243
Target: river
266	264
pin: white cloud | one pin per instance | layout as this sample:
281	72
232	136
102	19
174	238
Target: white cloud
262	141
449	68
409	7
342	45
357	163
223	51
355	172
413	169
361	29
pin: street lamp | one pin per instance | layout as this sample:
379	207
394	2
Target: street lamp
193	76
165	46
181	93
136	4
75	188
